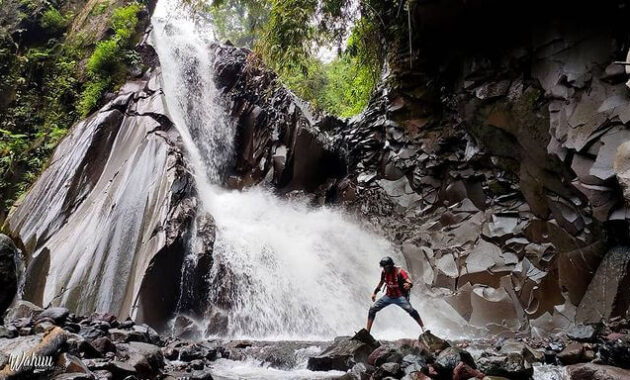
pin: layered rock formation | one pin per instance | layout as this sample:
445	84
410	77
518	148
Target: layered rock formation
105	225
499	165
280	141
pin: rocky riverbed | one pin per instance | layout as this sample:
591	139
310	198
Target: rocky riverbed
100	346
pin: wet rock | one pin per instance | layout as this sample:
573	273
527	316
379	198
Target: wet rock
48	344
512	366
592	371
572	354
384	354
433	343
57	315
448	359
8	332
103	345
22	310
529	353
387	370
193	375
616	351
145	358
101	173
72	364
583	333
607	295
8	272
185	328
344	353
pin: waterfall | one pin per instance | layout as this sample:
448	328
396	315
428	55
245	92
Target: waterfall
282	270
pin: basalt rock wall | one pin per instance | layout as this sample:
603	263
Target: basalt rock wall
495	154
280	140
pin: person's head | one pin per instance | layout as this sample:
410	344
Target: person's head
387	263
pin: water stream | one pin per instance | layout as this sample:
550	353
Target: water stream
294	272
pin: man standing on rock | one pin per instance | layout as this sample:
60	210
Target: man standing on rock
398	286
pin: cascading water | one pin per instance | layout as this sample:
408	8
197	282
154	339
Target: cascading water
281	270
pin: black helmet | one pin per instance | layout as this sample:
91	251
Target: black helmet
386	262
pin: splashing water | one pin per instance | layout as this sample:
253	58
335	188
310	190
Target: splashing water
281	270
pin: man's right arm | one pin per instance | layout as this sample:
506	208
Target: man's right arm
378	289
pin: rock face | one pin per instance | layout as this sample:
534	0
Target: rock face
499	164
105	225
8	272
279	139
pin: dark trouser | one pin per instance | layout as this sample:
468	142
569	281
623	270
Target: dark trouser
384	301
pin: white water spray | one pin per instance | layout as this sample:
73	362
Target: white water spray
289	271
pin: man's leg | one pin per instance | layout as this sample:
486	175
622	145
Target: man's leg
403	302
378	306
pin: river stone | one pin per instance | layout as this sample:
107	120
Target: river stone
146	358
57	315
70	363
512	366
23	309
590	371
583	333
344	353
387	370
433	343
449	358
616	352
572	354
8	272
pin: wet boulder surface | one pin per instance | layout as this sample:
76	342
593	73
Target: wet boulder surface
114	209
8	272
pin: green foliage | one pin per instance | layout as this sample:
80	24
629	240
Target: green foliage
105	58
54	21
106	66
44	89
284	34
124	21
99	8
239	20
91	95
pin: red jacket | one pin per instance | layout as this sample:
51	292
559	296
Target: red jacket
394	281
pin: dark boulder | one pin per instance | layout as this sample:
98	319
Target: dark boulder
433	343
449	359
344	353
616	352
583	333
8	272
512	366
592	371
56	315
572	354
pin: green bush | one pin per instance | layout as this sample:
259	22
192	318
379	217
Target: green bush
124	21
105	57
92	94
54	21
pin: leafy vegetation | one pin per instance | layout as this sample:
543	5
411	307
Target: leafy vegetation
286	33
54	21
50	82
106	67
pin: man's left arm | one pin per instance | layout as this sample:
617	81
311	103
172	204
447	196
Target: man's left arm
408	284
